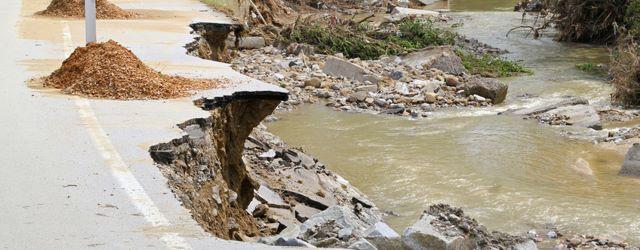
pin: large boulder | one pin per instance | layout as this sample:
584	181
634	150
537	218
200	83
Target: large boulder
422	235
579	115
487	88
631	164
337	67
439	57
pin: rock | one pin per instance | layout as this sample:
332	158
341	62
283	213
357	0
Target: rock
631	164
381	229
337	67
362	244
478	98
357	96
552	234
292	242
413	12
487	88
402	88
278	76
260	210
422	235
313	82
334	222
303	212
251	42
396	75
442	58
451	80
367	88
297	49
252	205
579	115
270	154
430	97
266	195
568	101
527	245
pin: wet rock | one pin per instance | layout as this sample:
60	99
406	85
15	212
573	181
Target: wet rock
442	58
631	164
579	115
486	87
568	101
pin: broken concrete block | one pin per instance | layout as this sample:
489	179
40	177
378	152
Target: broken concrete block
270	197
631	164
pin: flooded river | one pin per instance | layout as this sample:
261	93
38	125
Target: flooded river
510	174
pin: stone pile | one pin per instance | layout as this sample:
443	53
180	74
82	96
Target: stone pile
412	85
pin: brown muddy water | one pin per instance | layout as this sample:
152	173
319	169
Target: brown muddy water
510	174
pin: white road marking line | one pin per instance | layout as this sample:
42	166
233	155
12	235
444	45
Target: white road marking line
118	167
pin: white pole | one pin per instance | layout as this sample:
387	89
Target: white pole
90	20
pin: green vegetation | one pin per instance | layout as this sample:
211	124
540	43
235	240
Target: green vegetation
366	42
632	18
587	67
490	66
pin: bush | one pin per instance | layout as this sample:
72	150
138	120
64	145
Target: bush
624	72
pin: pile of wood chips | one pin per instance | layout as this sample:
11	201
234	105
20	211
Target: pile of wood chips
75	8
109	70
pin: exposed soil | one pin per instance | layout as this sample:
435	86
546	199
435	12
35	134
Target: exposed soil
109	70
75	8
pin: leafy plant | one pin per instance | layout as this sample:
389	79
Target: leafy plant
490	66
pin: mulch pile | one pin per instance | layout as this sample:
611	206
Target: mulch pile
75	8
109	70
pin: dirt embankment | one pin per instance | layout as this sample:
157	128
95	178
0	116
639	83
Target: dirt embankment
109	70
75	8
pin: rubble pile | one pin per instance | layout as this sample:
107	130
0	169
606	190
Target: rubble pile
75	8
411	85
109	70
